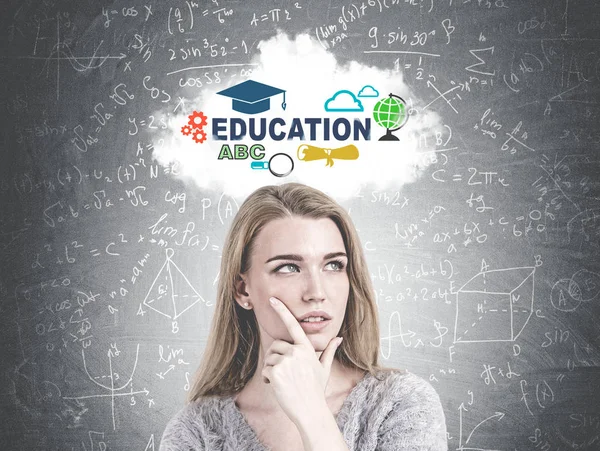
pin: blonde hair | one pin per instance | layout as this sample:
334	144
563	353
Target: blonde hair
231	354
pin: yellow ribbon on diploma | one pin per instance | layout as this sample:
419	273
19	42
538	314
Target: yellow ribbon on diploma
311	153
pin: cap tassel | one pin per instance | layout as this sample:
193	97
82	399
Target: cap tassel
283	104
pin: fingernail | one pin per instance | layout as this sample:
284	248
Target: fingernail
274	301
340	341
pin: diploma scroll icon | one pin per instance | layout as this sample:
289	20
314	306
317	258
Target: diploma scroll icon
311	153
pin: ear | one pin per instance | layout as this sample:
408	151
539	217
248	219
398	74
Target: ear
241	295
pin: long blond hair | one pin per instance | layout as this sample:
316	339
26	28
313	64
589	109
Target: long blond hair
231	354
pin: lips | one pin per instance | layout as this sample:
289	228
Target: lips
310	319
314	326
315	313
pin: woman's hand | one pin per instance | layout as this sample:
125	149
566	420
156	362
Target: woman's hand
297	377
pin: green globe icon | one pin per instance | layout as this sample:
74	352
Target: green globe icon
390	113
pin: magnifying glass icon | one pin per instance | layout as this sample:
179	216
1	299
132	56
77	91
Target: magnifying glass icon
280	165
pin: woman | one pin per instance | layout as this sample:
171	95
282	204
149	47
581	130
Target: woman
271	379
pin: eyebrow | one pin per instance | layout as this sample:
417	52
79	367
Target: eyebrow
299	258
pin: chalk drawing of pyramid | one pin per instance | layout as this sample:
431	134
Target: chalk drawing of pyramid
494	305
171	293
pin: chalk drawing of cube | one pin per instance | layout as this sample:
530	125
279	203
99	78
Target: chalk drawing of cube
494	305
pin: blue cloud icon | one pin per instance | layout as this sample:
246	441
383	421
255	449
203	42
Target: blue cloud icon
343	100
368	91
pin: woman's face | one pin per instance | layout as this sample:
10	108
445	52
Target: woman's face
302	262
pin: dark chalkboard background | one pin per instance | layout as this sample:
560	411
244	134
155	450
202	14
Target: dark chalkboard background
486	266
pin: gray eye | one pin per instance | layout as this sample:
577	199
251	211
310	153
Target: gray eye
287	265
339	265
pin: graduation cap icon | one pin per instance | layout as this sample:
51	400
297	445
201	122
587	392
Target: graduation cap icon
252	97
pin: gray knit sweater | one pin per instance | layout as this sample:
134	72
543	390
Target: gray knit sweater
401	411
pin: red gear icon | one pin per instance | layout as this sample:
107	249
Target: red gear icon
197	119
199	136
186	130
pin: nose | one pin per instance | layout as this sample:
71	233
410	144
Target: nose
314	289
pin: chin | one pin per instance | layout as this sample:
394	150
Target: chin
319	343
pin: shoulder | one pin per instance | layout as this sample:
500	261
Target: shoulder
404	386
411	413
390	391
192	427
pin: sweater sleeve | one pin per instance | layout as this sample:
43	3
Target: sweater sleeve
416	421
180	434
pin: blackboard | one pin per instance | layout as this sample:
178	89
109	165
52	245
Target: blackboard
482	231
